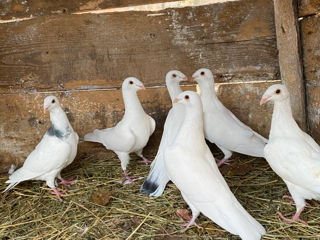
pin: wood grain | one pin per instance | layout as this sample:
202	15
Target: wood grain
310	35
22	129
234	39
21	8
308	7
313	109
288	41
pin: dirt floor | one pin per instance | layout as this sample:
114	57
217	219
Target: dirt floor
98	207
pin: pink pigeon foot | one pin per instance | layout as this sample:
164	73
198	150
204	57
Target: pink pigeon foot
145	160
66	182
295	218
190	223
127	177
291	202
59	194
224	161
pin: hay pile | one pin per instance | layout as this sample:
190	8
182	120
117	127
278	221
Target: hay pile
98	207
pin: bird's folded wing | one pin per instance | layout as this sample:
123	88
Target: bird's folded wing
152	125
206	189
295	160
118	138
50	154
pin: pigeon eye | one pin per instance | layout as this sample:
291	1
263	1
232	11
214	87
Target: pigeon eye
131	82
202	73
278	91
186	97
174	75
53	101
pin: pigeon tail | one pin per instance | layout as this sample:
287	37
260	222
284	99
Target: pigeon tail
11	185
92	137
157	180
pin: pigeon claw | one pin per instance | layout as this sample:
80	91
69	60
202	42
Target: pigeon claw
59	194
295	218
224	161
67	182
127	177
145	160
189	224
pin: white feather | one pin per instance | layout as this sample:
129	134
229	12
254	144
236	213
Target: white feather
191	166
157	178
221	126
132	133
292	153
51	155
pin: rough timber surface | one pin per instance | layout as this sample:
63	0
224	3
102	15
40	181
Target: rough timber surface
308	7
87	110
290	58
310	34
24	8
234	39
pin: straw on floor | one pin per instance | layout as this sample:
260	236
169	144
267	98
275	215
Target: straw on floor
97	206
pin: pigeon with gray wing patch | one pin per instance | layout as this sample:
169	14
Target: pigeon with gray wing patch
56	150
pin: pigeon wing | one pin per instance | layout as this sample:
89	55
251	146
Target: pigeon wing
50	154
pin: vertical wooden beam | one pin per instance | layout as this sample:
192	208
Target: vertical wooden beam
288	42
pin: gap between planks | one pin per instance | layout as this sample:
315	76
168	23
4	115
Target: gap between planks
140	8
150	87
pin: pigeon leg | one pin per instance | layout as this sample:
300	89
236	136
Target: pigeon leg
59	194
144	160
295	218
224	161
127	177
291	202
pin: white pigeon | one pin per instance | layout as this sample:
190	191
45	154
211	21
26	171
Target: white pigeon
132	133
191	167
157	180
292	153
56	150
222	127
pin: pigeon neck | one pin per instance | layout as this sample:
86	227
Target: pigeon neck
208	93
191	132
174	89
132	104
59	119
283	123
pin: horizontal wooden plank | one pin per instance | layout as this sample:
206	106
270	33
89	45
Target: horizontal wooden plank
22	8
235	39
24	123
313	99
310	35
308	7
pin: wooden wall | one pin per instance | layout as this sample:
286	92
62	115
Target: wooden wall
309	12
83	60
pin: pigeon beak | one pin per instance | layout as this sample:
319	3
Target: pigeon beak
176	100
193	78
185	78
141	87
45	109
264	100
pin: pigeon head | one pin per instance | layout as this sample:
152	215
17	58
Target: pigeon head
49	103
132	83
188	98
175	76
277	92
202	75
